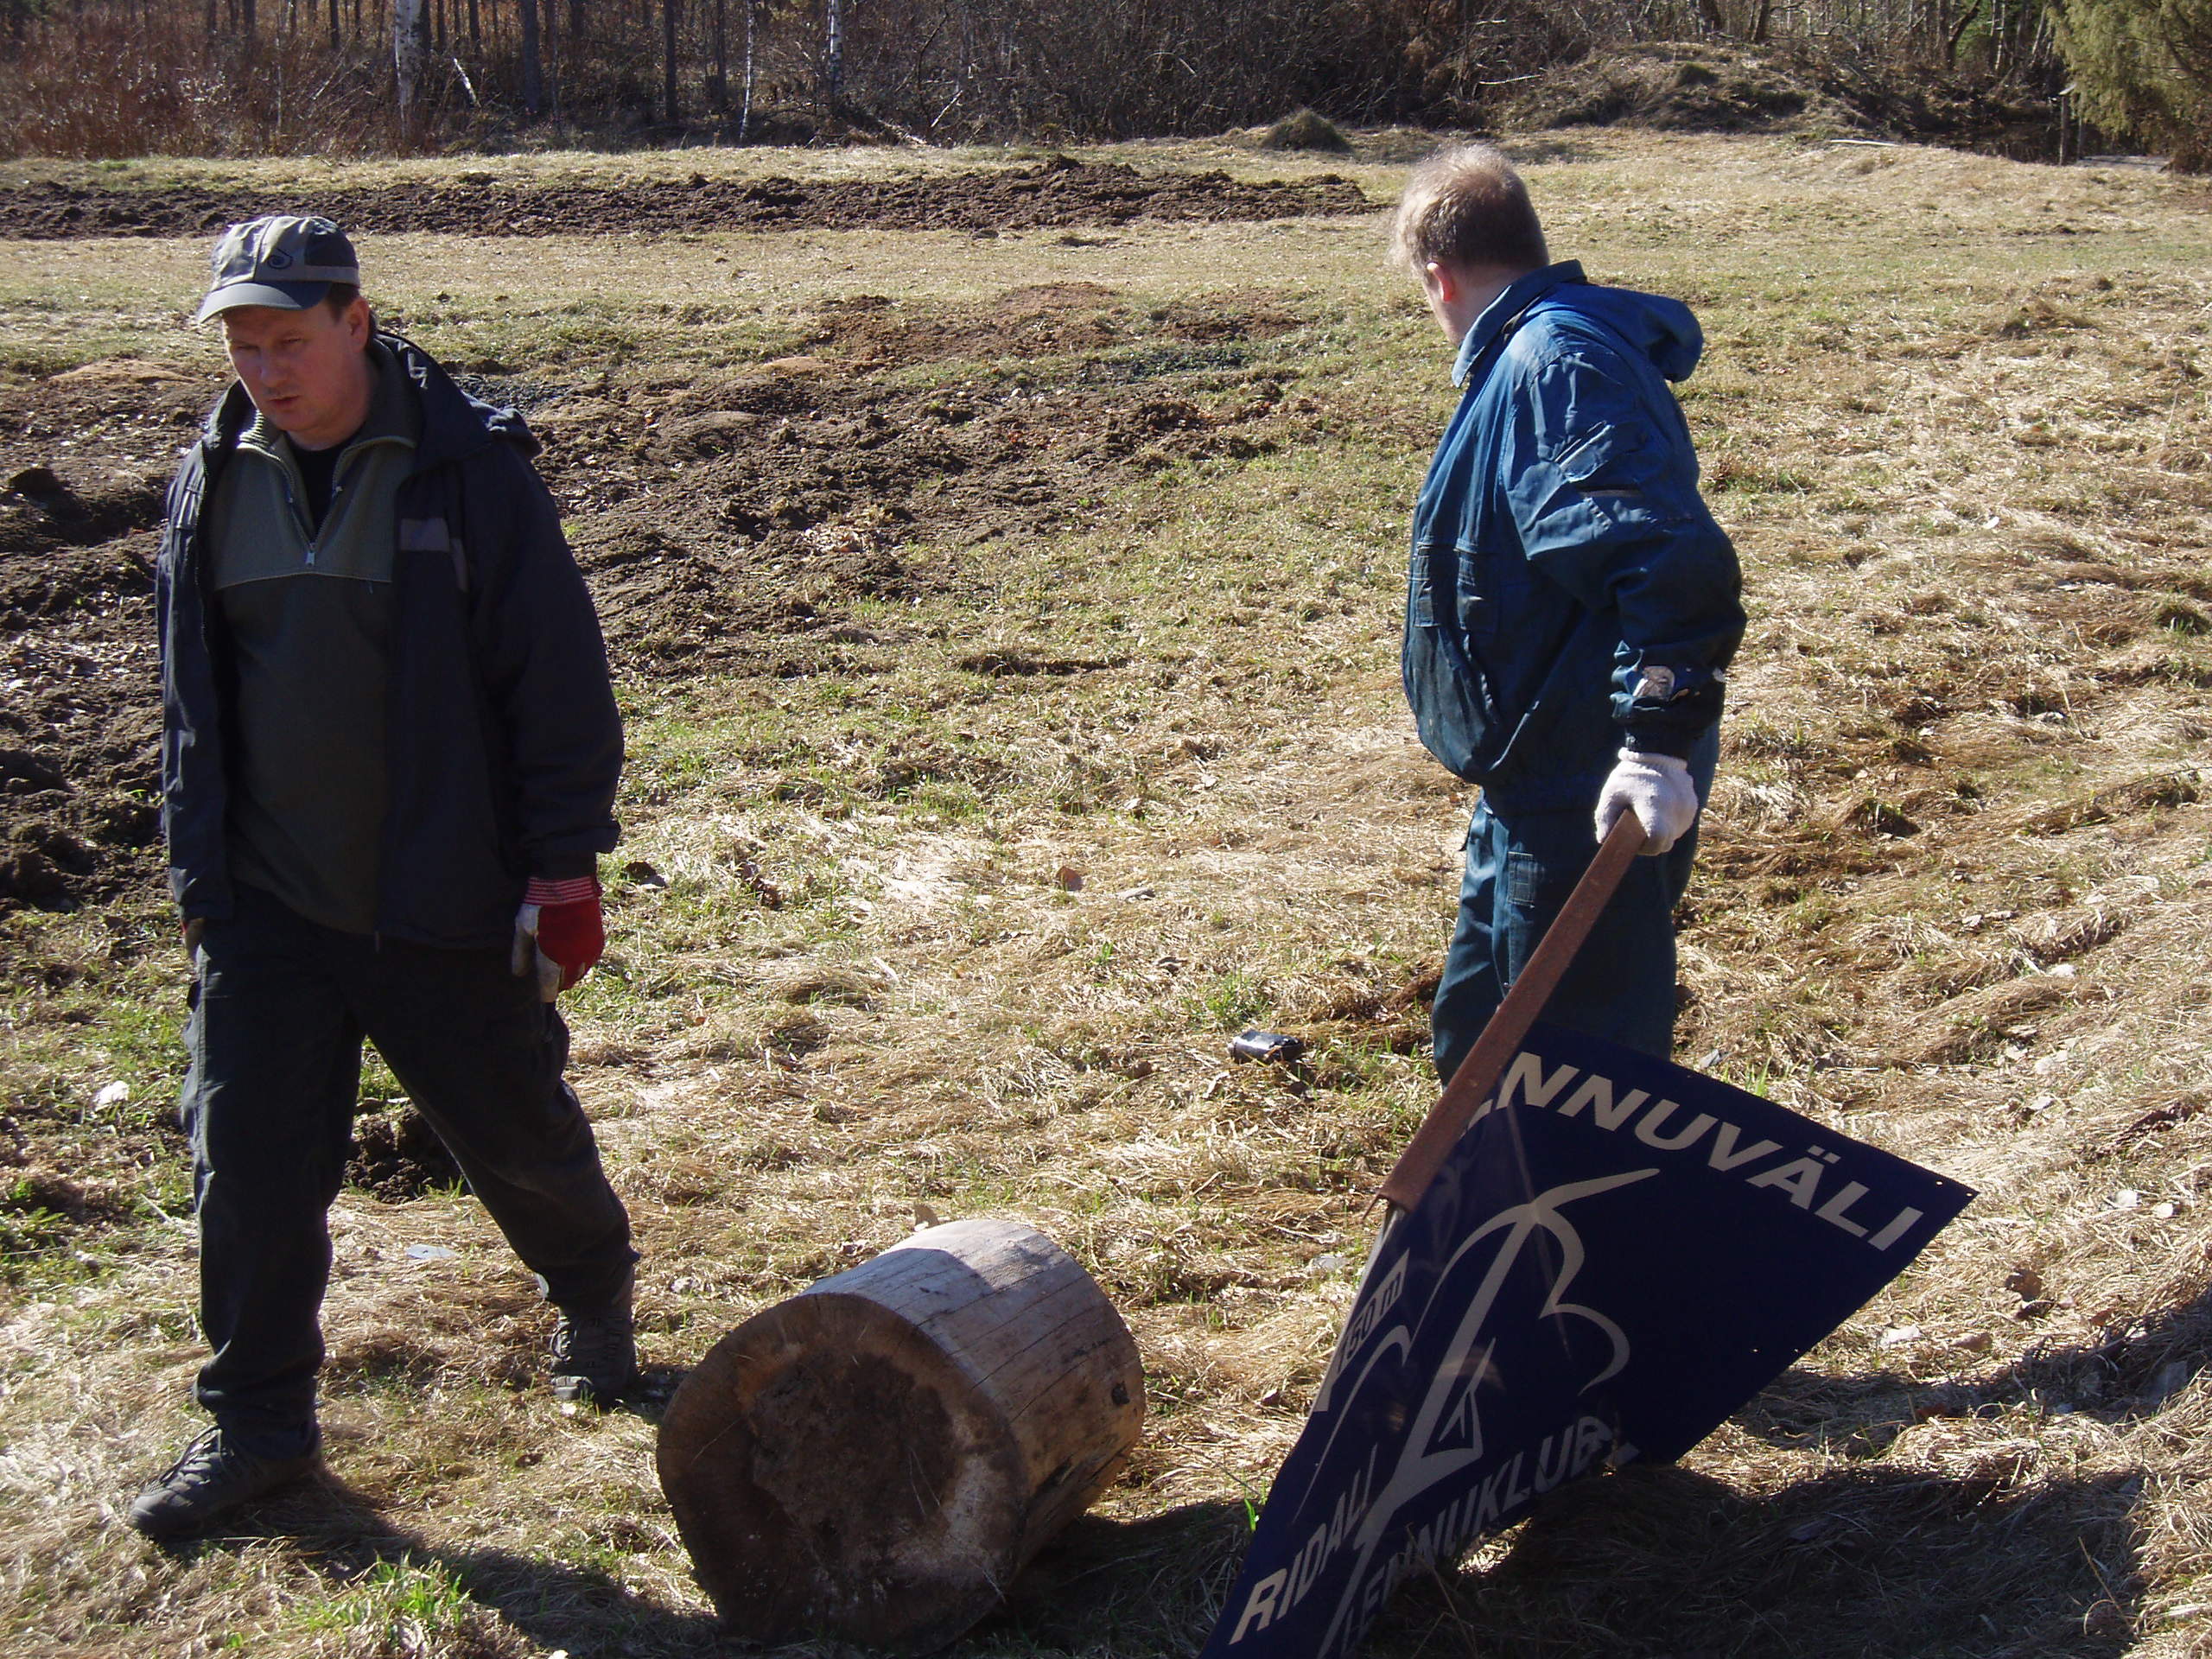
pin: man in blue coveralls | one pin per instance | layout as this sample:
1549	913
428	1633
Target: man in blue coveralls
1571	606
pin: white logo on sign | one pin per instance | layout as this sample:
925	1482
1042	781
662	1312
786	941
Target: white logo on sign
1449	1404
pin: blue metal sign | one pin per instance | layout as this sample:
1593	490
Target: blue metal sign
1618	1254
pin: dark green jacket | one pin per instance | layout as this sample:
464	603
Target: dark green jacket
503	744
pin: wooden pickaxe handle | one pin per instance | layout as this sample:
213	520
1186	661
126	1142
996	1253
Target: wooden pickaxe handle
1501	1038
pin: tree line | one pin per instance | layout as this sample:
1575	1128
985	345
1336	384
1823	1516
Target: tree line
123	77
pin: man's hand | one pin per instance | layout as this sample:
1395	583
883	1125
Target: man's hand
1658	790
558	932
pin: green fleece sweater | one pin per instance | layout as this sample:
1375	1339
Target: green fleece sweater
307	610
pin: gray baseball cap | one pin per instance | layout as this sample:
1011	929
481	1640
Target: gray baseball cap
278	260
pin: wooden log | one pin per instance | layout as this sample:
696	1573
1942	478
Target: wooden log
874	1459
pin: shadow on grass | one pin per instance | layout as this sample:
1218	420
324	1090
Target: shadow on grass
577	1608
2127	1375
1879	1564
1134	1589
1660	1563
343	1536
647	1398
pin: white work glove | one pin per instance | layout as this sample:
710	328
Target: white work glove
1658	790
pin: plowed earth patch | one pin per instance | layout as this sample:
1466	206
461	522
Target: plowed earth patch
1054	193
731	521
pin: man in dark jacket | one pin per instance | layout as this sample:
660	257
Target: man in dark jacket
390	752
1571	606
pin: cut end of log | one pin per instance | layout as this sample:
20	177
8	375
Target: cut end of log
875	1460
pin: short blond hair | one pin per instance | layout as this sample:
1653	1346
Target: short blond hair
1466	207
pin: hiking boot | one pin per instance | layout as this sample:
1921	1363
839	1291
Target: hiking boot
208	1482
595	1355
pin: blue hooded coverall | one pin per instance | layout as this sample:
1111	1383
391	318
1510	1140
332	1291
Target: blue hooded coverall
1568	595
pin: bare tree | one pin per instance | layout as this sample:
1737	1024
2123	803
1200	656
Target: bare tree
668	13
533	64
962	69
721	58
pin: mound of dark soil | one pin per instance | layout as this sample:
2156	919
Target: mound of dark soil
732	521
1304	130
1712	86
1047	320
1688	86
398	1156
84	459
736	522
1964	112
1057	192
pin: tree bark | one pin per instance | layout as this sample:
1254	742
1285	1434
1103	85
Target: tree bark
668	58
745	113
533	66
407	59
875	1460
550	42
721	58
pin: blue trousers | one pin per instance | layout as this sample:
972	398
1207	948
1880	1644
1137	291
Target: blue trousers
280	1008
1519	870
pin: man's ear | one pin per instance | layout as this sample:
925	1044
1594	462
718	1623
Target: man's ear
1440	281
360	322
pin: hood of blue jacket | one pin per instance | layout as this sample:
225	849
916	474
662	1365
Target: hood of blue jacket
1663	330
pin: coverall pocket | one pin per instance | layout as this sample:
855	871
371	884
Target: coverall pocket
1495	584
1538	884
1580	460
1531	884
1420	586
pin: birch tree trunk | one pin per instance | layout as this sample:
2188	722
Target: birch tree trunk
745	114
407	60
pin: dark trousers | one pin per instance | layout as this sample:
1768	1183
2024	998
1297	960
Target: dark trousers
1520	870
279	1010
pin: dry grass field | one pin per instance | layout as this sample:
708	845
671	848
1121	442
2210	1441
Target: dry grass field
1007	624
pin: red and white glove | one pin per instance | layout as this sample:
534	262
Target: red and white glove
559	932
1658	790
